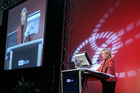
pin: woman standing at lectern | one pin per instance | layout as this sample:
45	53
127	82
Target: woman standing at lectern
108	66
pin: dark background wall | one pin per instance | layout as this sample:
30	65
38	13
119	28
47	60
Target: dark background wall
46	77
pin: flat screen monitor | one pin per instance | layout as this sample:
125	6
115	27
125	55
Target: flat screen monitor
25	35
82	59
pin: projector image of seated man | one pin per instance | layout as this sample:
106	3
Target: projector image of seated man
108	66
22	28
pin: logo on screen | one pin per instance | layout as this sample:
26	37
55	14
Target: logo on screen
23	62
70	80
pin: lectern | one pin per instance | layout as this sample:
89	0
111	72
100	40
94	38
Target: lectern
72	79
25	55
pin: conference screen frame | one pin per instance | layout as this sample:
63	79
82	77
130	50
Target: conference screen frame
26	52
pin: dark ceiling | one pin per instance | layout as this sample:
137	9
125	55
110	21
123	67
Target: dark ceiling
4	4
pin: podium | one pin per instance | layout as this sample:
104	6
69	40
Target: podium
72	80
24	55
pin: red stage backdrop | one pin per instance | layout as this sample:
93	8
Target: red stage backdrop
114	24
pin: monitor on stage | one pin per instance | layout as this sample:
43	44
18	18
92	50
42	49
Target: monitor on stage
82	59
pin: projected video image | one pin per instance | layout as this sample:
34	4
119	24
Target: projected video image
25	35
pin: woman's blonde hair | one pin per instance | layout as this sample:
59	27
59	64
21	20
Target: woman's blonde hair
24	10
107	51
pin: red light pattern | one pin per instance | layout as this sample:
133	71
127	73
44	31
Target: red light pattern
113	24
